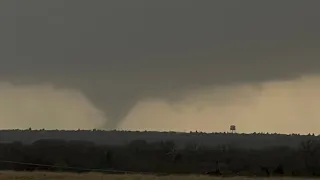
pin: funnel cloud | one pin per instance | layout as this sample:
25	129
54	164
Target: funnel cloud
121	55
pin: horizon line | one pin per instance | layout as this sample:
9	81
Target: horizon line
176	132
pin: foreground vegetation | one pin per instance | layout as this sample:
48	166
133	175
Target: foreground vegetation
11	175
161	157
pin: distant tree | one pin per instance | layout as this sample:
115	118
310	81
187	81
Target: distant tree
279	170
309	149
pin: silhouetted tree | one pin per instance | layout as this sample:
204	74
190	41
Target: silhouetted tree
279	170
265	170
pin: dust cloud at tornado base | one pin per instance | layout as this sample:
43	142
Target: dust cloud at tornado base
284	106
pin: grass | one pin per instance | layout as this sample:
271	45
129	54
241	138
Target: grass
12	175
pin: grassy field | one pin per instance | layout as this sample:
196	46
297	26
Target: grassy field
10	175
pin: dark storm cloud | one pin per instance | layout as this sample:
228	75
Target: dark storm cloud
119	51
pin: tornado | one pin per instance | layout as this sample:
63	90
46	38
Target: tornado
120	53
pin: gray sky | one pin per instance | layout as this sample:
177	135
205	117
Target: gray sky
121	52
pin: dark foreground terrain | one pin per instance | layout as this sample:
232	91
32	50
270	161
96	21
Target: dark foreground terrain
11	175
163	157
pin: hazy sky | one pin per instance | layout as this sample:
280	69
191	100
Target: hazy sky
164	65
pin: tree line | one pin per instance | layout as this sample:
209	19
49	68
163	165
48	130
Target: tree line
100	137
162	157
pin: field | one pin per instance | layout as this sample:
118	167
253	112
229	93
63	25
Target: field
12	175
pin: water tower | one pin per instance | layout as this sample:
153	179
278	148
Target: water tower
233	128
